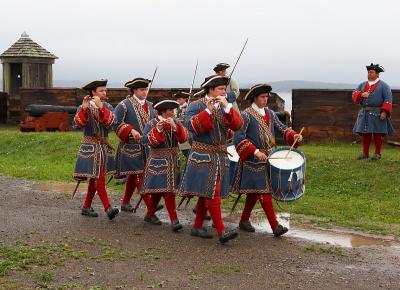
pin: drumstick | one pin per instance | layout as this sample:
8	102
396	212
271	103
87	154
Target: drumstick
294	143
279	157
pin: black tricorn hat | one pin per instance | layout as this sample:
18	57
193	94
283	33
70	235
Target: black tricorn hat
95	84
138	83
181	95
256	91
214	81
376	67
166	104
221	66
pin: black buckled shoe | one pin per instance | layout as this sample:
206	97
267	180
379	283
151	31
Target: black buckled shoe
227	235
376	157
201	233
280	230
89	212
246	226
362	157
154	220
112	212
207	218
176	226
127	207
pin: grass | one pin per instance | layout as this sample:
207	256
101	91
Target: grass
39	261
325	250
361	195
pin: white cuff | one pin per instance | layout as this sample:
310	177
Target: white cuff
257	150
228	108
208	111
159	131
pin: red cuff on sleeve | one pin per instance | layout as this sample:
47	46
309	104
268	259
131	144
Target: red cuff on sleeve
155	137
356	97
387	107
202	122
123	132
106	117
289	137
81	118
245	149
181	133
233	120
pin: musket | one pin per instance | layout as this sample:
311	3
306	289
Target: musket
191	87
230	75
188	200
152	79
181	201
138	203
76	188
236	202
109	180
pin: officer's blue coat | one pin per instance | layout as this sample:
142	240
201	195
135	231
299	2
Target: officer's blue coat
252	175
92	155
368	119
131	154
202	168
162	170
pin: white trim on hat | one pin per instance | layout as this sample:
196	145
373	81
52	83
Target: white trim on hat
165	101
253	88
136	81
213	78
100	80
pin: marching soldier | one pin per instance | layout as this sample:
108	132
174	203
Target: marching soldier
132	115
162	174
95	158
253	143
375	98
207	170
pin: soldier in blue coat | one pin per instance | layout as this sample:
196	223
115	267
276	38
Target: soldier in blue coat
375	98
253	143
132	115
95	157
210	120
162	171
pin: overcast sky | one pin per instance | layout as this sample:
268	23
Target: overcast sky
316	40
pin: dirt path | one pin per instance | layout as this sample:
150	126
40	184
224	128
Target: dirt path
126	253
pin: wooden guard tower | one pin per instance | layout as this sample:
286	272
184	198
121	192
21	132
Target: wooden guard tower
25	65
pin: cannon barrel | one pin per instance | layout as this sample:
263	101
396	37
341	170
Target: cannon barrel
39	110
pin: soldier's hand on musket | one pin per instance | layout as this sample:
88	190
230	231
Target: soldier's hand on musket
135	134
98	102
298	137
222	100
261	156
85	102
365	95
383	115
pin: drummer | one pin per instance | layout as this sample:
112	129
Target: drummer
253	143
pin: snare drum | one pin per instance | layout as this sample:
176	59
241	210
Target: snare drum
287	175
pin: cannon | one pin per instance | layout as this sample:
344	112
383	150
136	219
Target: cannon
39	110
47	118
